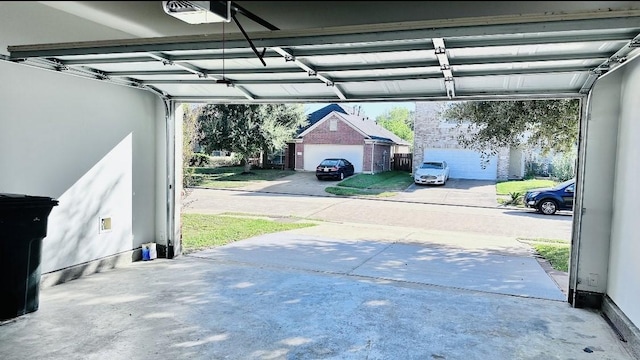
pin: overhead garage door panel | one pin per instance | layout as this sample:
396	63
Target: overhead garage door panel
464	164
314	154
427	59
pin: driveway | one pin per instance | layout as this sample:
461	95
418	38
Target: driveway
478	193
462	192
300	183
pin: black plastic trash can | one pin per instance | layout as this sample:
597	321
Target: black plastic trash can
23	225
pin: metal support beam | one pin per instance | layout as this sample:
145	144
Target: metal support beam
310	71
612	62
185	66
445	67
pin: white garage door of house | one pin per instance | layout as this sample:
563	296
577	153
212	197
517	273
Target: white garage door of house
314	154
464	164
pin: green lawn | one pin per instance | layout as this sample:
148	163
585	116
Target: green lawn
232	176
521	186
202	231
557	252
382	184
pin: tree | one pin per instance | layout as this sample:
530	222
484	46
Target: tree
190	131
399	121
247	129
551	125
190	137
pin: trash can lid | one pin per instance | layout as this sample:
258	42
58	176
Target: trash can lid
7	199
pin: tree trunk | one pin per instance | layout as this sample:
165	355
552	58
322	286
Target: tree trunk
264	155
247	164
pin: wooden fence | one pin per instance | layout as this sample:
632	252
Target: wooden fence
403	162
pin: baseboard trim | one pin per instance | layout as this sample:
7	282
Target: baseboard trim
628	332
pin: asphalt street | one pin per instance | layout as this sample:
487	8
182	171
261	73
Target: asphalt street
494	221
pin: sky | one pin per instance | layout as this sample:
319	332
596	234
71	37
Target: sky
372	110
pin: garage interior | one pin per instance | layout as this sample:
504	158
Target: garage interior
107	135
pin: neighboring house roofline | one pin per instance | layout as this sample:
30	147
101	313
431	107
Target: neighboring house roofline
321	113
379	141
331	114
360	125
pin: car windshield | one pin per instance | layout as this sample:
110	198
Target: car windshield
562	185
329	162
431	165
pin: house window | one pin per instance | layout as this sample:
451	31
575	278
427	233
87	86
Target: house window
277	157
333	125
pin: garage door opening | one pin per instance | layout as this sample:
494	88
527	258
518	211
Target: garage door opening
548	237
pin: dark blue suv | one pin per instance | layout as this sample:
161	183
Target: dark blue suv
550	200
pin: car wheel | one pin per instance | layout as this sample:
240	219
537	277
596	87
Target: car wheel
318	177
548	207
341	176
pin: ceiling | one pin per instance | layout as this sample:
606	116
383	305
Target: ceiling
347	51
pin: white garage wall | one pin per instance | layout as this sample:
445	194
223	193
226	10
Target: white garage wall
464	164
314	154
624	268
606	241
90	145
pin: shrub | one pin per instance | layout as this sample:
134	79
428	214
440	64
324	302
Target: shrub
564	167
223	161
514	198
199	160
187	177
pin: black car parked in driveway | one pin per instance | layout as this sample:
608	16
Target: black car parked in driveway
334	168
550	200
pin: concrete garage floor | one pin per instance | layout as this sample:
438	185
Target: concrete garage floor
296	295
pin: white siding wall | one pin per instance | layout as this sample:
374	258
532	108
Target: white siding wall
90	145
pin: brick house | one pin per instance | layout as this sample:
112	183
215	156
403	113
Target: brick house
435	138
336	131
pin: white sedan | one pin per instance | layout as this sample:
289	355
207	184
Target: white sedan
432	172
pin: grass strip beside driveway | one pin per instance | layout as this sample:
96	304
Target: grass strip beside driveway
202	231
556	252
378	185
